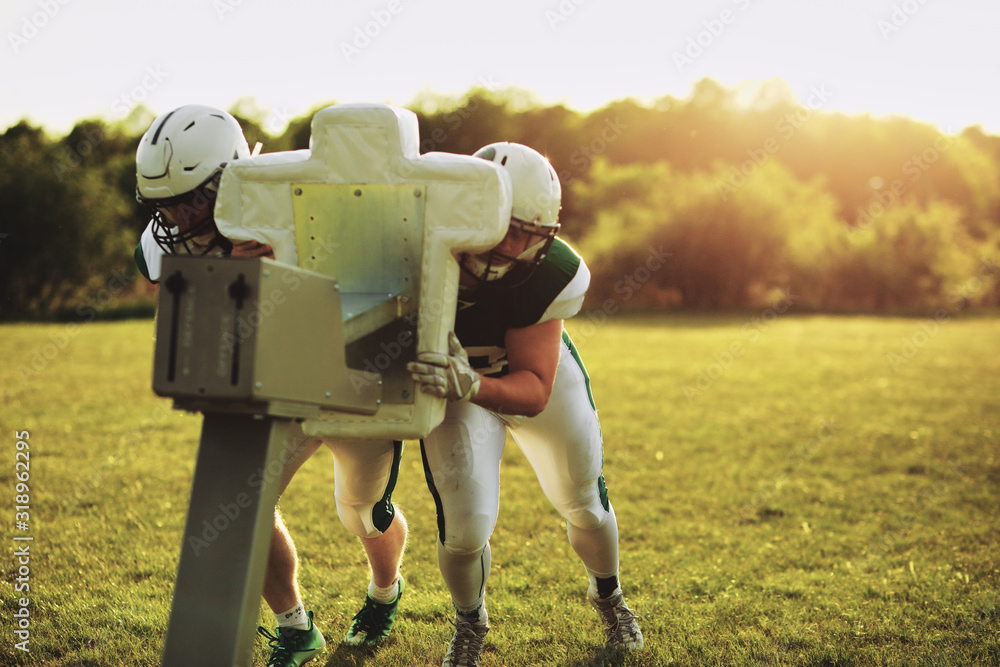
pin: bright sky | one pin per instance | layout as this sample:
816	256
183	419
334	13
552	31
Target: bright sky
66	60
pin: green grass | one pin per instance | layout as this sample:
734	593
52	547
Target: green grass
827	494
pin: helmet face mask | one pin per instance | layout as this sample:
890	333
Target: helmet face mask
502	268
536	200
186	222
179	164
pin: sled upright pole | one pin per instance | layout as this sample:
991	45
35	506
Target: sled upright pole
255	346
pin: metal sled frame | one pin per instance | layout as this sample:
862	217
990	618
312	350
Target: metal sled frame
364	230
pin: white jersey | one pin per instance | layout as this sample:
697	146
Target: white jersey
149	254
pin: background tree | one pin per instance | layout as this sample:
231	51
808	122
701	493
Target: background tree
738	196
65	231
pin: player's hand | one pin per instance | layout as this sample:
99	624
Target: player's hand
447	376
252	249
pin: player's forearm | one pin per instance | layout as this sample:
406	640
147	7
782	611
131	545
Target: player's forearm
519	393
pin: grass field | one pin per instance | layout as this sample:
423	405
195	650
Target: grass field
791	490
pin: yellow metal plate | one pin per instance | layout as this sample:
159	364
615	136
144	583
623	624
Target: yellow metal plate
368	237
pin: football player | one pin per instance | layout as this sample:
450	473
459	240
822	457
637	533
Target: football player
516	369
178	166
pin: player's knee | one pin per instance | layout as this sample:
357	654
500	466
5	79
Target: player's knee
363	519
584	511
584	506
469	536
587	518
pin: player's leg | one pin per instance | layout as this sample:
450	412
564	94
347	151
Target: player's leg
462	468
385	551
281	590
565	447
365	474
297	640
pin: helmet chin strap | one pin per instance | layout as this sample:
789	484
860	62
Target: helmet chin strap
483	270
485	267
531	251
219	241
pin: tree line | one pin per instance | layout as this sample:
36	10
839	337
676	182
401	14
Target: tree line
727	198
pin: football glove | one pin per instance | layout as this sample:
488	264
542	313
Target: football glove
447	376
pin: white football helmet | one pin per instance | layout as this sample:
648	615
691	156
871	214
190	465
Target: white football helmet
178	164
537	197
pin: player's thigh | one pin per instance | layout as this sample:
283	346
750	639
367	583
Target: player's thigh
462	467
296	450
563	443
364	471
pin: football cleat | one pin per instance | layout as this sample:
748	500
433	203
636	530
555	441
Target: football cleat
621	626
292	647
466	645
373	623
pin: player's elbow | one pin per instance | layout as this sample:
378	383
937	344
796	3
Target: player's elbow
521	393
534	409
536	404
